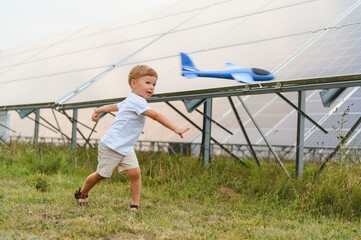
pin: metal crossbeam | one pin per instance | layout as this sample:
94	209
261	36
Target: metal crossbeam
241	90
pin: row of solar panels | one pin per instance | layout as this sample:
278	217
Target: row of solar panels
294	39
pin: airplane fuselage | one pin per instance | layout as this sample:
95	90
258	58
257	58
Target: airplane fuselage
227	74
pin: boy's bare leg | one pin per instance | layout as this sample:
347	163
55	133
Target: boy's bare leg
135	185
90	181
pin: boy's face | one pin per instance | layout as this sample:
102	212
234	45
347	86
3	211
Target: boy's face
144	86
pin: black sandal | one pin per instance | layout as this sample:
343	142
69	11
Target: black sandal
134	207
81	198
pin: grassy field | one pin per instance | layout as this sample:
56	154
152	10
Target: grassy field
181	199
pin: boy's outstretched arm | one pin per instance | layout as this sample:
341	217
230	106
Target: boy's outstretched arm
105	108
165	122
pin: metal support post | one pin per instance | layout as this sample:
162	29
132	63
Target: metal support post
300	133
36	128
206	134
74	128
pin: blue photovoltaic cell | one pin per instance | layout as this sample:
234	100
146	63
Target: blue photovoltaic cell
337	51
337	125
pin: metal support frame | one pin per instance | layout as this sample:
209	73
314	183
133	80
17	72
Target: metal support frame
191	105
328	96
252	89
206	134
36	128
300	146
51	125
73	120
342	142
301	111
214	140
74	128
243	89
90	134
101	115
264	137
6	127
40	124
59	129
213	121
52	128
250	147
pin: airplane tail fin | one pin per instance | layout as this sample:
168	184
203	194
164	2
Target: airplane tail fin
187	64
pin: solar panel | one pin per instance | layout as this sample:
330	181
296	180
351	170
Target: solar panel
32	90
283	21
12	58
335	52
211	14
341	118
296	39
338	126
270	52
189	5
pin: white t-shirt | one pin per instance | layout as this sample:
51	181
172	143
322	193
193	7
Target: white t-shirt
127	125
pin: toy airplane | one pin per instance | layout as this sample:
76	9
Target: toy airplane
234	72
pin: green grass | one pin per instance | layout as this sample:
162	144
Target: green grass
181	199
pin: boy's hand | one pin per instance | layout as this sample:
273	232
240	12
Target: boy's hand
95	117
180	131
100	111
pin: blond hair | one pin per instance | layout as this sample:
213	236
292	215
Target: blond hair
139	71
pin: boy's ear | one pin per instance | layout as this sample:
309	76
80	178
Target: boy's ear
132	82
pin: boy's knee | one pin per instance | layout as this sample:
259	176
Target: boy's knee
95	177
134	173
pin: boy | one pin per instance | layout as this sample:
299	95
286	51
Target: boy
116	147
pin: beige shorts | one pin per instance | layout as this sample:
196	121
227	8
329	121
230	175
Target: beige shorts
108	160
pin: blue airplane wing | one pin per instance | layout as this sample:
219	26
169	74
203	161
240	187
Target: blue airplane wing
240	76
243	77
231	65
189	74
